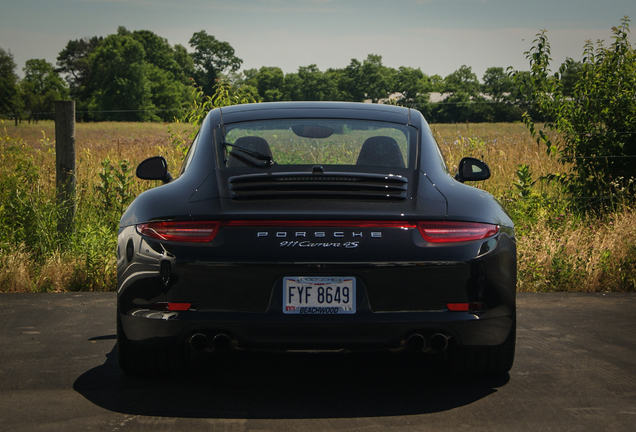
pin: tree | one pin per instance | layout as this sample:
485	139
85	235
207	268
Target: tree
159	53
571	75
211	58
337	77
314	85
40	88
169	81
462	80
497	83
184	60
594	124
500	87
167	94
437	83
379	80
247	77
270	83
120	87
351	83
414	87
9	102
309	84
74	62
367	80
464	101
292	84
166	72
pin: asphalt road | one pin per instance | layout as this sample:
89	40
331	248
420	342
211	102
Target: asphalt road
575	370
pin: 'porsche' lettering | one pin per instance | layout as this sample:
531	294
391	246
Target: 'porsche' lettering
318	235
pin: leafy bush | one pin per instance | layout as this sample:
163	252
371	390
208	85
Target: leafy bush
595	122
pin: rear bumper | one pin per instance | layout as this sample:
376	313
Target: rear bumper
365	330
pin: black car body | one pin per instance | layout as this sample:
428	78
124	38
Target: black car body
315	226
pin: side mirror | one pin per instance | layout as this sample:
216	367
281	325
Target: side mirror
471	169
154	168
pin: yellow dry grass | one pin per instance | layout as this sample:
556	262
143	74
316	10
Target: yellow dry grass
503	146
583	256
56	273
96	142
16	271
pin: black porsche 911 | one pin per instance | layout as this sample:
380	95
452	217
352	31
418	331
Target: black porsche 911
315	226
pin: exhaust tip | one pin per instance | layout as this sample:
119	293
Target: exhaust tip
199	342
439	342
221	342
416	342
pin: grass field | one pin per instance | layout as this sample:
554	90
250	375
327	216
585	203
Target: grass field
558	250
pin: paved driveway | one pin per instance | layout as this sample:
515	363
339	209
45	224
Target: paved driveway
575	370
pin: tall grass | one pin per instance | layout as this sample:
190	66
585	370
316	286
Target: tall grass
34	256
558	250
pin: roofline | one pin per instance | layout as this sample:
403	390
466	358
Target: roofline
353	110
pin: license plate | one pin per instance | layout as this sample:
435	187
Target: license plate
319	295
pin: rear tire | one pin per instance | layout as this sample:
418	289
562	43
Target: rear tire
488	360
144	360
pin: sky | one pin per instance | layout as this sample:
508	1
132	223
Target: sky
437	36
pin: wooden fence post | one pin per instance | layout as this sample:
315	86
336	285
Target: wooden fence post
65	163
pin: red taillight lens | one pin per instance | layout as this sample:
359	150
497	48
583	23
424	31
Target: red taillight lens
466	307
183	231
449	232
170	307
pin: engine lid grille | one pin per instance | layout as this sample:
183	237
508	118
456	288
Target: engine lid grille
318	185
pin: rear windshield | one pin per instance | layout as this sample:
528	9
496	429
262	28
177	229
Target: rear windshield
317	142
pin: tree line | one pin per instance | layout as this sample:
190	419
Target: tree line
139	76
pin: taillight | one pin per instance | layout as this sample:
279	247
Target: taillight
181	231
170	306
450	231
467	307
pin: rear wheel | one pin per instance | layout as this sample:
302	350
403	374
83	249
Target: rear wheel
141	360
488	360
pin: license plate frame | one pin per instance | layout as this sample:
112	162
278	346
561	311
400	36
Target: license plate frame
319	295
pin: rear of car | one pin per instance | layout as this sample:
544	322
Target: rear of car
315	226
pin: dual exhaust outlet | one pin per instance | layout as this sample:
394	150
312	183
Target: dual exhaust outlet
437	343
200	342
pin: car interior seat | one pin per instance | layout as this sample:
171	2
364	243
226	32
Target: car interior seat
237	158
381	151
